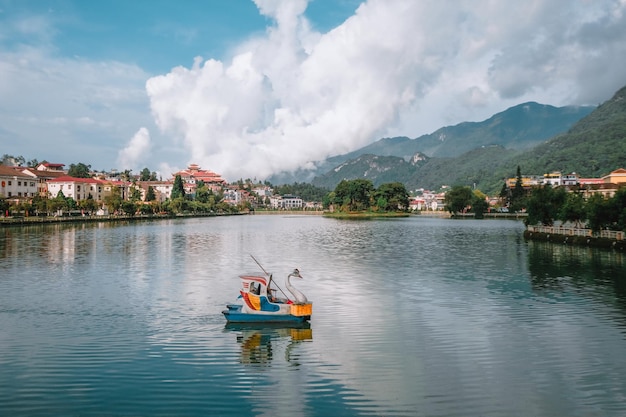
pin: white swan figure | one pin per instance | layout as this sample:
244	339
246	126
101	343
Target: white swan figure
300	298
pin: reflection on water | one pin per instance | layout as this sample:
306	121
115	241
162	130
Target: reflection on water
413	316
595	273
260	343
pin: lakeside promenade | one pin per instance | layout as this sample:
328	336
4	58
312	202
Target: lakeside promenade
577	236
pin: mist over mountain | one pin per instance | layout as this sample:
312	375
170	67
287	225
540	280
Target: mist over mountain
589	141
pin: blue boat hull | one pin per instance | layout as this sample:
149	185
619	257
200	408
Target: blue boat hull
234	314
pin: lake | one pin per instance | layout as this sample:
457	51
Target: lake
411	317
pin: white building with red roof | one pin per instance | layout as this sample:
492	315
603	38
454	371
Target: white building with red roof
82	188
193	175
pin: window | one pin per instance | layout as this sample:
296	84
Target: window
19	183
9	182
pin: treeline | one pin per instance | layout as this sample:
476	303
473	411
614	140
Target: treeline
307	192
361	195
546	204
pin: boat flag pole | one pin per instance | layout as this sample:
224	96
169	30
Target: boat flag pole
269	275
260	266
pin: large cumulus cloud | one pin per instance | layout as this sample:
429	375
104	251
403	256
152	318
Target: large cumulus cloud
295	96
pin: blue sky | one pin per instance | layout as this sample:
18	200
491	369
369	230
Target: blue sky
251	88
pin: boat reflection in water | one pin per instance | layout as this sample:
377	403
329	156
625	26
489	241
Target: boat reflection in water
261	343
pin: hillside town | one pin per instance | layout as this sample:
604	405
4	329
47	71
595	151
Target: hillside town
19	184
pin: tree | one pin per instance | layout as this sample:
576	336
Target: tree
79	170
202	193
543	204
392	196
114	200
458	199
573	209
353	195
479	204
150	195
129	208
178	190
89	205
135	194
12	160
599	213
145	175
518	193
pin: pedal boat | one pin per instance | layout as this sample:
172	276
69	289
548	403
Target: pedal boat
260	304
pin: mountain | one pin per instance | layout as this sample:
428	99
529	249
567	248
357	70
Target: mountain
519	127
593	146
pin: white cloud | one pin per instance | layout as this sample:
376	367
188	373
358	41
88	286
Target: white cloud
294	96
136	152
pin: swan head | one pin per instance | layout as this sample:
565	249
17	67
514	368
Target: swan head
296	273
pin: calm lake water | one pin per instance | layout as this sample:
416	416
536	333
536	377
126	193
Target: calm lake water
411	317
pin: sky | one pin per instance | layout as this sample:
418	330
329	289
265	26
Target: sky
251	88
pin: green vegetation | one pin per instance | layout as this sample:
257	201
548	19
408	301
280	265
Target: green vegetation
461	199
358	196
307	192
546	204
79	170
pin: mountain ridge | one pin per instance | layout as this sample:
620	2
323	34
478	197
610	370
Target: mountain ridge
601	134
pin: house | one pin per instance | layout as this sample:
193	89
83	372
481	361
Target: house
162	189
81	188
616	177
48	166
14	184
286	202
76	188
42	176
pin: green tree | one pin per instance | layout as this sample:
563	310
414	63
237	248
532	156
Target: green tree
353	195
79	170
129	207
458	199
4	206
544	203
202	192
113	201
150	195
619	207
178	190
573	209
89	205
479	204
392	196
517	194
145	175
135	194
599	212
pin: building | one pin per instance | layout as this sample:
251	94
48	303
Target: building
14	184
616	177
42	176
193	175
286	202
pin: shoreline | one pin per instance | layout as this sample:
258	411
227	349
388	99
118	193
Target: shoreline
580	237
